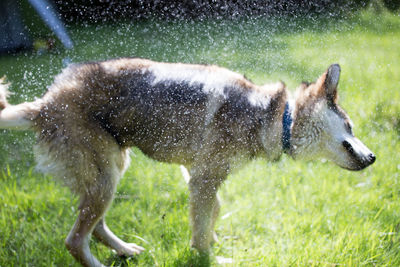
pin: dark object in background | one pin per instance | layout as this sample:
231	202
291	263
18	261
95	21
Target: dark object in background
111	10
392	4
14	36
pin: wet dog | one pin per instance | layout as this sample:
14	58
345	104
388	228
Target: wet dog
203	117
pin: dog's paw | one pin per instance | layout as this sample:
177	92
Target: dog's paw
129	249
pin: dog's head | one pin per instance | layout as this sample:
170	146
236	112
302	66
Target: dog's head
322	129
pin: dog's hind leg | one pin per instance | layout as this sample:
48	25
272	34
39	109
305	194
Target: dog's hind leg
92	208
96	196
104	234
108	238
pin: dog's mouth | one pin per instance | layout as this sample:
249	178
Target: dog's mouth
361	163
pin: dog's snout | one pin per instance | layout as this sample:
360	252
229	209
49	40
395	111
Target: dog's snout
360	156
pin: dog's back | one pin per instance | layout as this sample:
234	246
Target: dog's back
164	109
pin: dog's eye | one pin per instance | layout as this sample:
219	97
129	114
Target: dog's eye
349	128
348	147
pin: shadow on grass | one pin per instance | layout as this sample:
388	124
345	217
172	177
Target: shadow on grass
192	258
122	261
189	258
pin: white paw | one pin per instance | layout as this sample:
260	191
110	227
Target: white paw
129	249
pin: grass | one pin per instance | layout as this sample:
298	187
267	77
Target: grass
273	214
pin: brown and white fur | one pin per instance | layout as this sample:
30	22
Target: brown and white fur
206	118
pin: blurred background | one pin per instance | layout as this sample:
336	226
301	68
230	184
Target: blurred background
21	27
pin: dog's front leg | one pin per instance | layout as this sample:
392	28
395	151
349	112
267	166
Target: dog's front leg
216	208
214	216
204	206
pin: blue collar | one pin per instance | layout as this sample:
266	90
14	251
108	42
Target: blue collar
287	121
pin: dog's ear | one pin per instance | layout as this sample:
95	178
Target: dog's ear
332	81
328	82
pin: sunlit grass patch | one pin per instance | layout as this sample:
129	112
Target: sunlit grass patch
273	214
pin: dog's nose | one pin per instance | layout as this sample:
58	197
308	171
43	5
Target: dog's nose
371	158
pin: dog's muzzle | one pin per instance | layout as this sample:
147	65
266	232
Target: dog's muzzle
363	157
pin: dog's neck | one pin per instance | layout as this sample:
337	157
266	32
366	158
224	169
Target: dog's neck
287	122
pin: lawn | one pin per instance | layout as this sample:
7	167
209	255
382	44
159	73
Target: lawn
273	214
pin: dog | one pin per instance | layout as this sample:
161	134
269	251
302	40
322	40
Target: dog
204	117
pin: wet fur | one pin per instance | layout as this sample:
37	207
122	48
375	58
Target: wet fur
204	117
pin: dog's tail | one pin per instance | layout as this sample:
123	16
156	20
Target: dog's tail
17	117
4	93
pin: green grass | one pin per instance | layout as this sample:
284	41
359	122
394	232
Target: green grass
273	214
